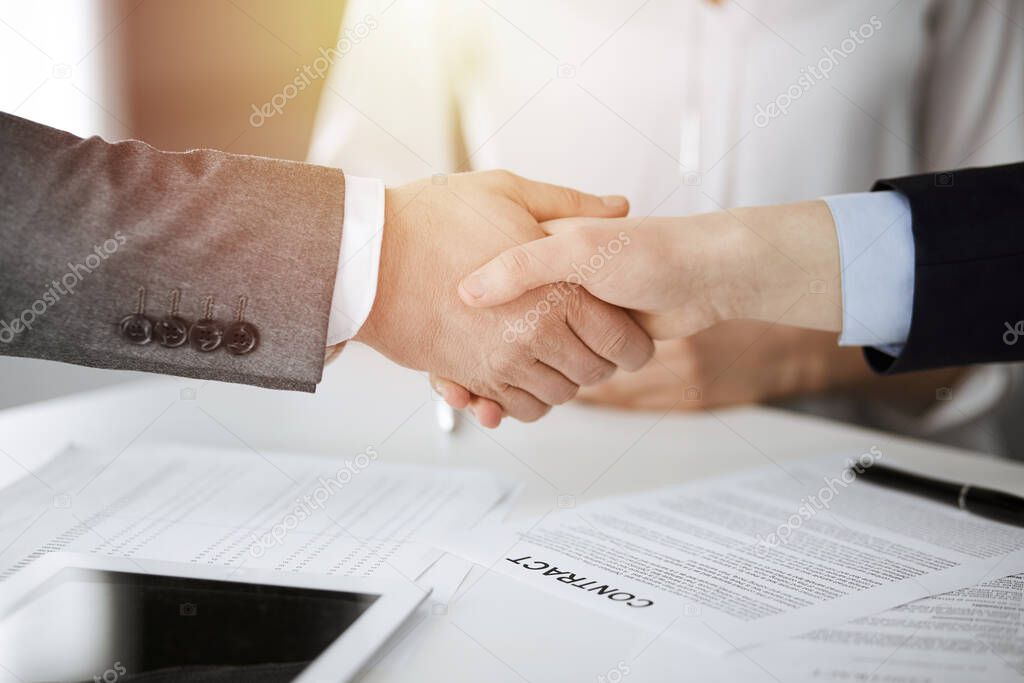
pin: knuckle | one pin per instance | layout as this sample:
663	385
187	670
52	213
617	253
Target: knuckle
510	370
504	368
595	373
503	393
479	387
516	261
534	413
573	302
546	345
503	177
616	342
486	389
570	198
564	394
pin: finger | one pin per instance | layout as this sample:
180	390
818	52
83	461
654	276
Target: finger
455	395
547	384
609	331
522	405
572	358
605	392
612	393
547	201
487	412
662	326
563	225
637	402
522	268
605	396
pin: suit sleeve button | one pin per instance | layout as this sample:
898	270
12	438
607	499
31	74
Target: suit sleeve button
171	331
206	335
136	328
241	338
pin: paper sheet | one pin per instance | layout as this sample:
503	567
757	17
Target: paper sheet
289	512
730	562
972	634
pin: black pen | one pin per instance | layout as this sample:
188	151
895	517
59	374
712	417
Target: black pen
978	500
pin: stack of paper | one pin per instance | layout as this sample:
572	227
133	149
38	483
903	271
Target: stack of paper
289	512
763	555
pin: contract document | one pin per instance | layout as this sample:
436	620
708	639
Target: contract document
356	515
972	634
730	562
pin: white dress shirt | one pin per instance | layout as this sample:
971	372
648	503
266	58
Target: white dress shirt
660	103
355	285
876	249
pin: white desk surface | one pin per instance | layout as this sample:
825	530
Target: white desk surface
495	629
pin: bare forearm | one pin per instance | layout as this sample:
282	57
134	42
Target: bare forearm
788	271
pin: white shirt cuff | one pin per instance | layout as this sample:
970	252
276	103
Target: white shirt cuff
876	251
355	284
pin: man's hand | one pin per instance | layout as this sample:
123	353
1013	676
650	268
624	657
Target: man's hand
529	353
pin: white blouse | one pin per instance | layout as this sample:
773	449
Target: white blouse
684	106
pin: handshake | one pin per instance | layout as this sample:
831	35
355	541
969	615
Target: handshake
513	294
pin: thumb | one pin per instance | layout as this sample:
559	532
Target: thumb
518	270
547	201
563	225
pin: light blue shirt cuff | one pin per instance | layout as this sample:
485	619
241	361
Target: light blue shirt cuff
876	251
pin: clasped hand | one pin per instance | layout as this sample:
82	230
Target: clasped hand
522	355
544	311
680	276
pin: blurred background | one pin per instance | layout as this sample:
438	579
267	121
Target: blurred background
179	74
685	106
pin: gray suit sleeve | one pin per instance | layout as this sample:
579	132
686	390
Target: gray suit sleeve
86	224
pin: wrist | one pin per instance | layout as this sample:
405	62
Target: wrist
702	276
790	266
373	329
733	291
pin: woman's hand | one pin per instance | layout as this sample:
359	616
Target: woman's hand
733	363
742	362
778	264
682	275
